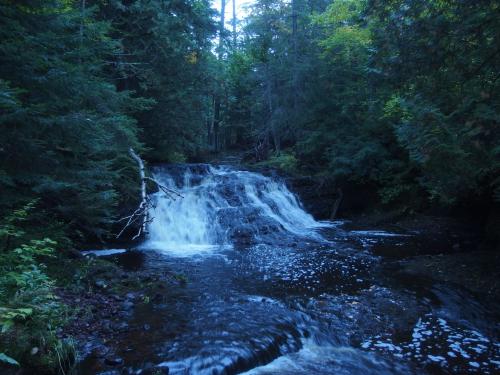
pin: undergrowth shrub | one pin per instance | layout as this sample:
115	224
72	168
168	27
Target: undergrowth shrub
30	312
285	161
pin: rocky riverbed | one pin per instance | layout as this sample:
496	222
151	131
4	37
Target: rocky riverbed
236	277
135	313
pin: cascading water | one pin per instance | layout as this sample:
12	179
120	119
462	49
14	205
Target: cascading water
222	207
277	292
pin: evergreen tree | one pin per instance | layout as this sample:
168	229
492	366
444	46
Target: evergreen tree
65	127
166	57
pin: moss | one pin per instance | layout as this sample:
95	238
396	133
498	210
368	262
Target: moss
285	161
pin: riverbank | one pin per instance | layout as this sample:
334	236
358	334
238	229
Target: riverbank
99	296
478	271
114	288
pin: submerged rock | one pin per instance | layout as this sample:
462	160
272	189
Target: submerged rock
100	284
113	361
150	369
127	305
100	351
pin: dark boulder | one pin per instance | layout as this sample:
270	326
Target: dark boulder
113	361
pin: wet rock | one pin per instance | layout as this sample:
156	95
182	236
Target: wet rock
113	361
164	370
155	370
123	314
147	368
242	235
73	254
100	351
317	194
158	297
106	326
121	327
127	305
100	284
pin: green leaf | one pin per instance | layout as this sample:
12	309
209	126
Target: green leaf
6	325
25	311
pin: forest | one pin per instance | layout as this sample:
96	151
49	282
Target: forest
393	104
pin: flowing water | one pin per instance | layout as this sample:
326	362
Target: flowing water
272	291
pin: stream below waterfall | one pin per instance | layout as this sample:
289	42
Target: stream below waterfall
270	290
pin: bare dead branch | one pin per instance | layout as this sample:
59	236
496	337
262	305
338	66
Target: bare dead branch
165	189
142	212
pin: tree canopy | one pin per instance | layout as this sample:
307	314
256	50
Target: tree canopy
398	95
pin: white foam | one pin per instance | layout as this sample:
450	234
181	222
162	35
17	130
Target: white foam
379	233
313	358
436	358
104	252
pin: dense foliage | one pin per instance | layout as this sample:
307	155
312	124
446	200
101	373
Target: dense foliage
82	82
30	312
165	55
75	80
400	95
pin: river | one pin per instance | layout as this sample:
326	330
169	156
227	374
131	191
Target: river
270	290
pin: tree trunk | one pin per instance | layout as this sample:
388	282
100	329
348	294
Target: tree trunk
221	28
82	21
234	24
295	55
271	126
336	205
216	123
217	102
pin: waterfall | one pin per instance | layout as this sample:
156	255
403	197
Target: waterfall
223	207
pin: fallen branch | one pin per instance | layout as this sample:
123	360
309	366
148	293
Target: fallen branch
336	204
142	212
170	192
